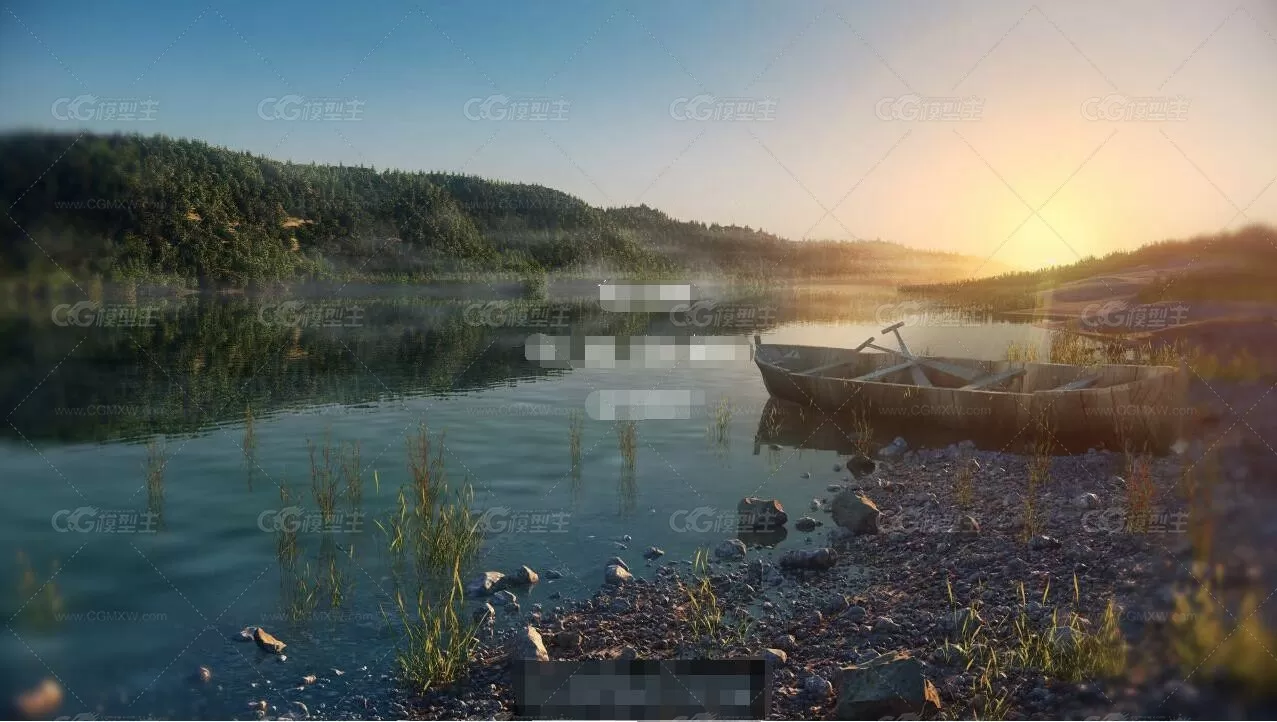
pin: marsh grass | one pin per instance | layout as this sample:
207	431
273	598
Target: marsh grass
1140	491
719	430
964	482
286	549
576	427
352	472
433	517
627	442
1067	647
156	461
1207	638
1021	352
250	433
862	433
40	601
701	609
438	642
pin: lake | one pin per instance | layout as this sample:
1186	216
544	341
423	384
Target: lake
122	587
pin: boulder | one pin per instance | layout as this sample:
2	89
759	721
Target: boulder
730	549
485	584
855	513
817	687
764	514
806	524
617	574
888	686
822	558
775	656
527	644
522	577
268	642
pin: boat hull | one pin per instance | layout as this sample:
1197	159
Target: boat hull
1133	406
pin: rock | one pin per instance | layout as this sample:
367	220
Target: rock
835	606
258	705
1087	501
309	679
805	475
775	656
619	562
860	465
730	549
268	642
1044	542
968	525
245	634
833	488
653	553
855	513
855	613
527	644
302	709
568	640
628	653
41	701
817	687
620	606
786	642
816	504
627	538
895	449
837	468
523	576
761	514
822	558
485	584
885	625
504	596
485	614
512	608
889	686
616	574
553	574
806	524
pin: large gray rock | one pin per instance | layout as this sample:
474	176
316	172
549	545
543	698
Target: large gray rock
889	686
822	558
761	514
730	549
522	577
617	574
527	644
485	584
855	513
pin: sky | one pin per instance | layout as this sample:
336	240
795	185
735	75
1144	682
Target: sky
1030	134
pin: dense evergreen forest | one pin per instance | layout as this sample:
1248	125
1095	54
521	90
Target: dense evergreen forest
159	209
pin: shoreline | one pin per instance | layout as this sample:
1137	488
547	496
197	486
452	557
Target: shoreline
902	590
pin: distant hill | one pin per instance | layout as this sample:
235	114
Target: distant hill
153	208
1235	267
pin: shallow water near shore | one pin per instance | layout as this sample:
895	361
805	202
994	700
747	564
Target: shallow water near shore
122	589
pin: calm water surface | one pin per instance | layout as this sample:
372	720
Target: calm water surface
123	616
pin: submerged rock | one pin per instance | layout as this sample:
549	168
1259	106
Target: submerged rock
268	642
553	574
756	513
730	549
806	524
523	576
889	686
485	584
653	553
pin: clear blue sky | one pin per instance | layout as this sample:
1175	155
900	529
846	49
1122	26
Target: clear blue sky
824	70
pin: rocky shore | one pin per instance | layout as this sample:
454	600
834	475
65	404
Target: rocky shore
905	556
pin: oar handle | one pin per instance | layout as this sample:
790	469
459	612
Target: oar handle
863	345
893	327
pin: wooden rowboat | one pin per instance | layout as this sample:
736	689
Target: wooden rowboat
1110	405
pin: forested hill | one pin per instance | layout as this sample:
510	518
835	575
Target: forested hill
151	207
